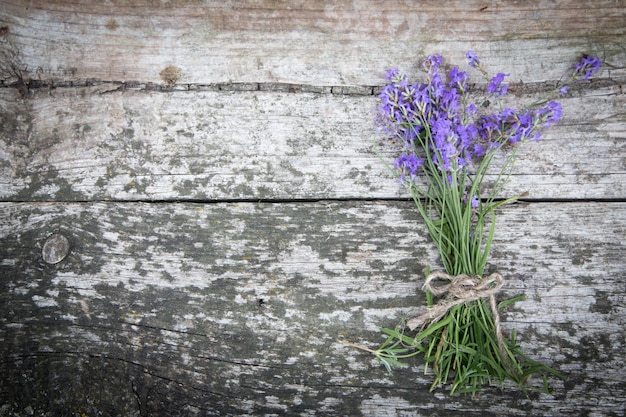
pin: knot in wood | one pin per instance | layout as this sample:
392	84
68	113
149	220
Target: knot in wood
55	249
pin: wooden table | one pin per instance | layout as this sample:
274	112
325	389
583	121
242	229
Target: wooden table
193	218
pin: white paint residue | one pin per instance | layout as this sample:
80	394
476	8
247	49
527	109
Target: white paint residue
291	360
330	403
273	402
292	262
336	316
112	236
52	293
239	299
377	406
44	302
70	318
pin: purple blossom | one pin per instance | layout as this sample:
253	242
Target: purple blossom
437	86
487	125
521	127
550	114
450	102
564	90
392	73
408	164
439	127
478	150
495	87
506	113
587	66
457	78
474	201
472	59
432	63
421	96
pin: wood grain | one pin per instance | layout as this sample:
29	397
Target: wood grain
312	42
239	308
211	166
82	144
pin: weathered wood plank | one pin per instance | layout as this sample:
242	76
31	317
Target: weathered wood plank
78	144
312	42
237	309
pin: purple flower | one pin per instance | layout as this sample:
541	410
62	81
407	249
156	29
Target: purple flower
506	113
472	59
587	66
440	129
475	201
551	113
432	63
392	73
478	150
408	164
421	95
450	102
457	78
437	86
495	86
521	126
564	90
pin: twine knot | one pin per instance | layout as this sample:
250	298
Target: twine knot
459	289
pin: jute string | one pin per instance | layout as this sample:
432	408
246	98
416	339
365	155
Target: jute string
460	289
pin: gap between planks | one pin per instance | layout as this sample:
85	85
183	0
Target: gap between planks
525	200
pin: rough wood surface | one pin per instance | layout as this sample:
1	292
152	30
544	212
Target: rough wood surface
305	42
80	144
210	166
185	309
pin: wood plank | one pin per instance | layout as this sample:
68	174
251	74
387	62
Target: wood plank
157	308
80	144
311	43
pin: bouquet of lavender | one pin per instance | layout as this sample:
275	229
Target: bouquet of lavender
448	143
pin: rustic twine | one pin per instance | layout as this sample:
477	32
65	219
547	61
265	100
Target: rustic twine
460	289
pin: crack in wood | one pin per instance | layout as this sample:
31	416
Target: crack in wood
115	86
517	89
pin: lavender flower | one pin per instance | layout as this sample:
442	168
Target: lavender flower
587	67
408	164
432	63
457	78
439	125
472	59
495	87
392	73
474	201
443	132
550	114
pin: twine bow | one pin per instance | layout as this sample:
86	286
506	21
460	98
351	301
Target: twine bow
460	289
